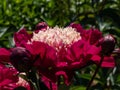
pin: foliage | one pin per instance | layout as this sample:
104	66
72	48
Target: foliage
101	14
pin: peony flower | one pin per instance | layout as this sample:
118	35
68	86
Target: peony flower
54	52
59	51
8	78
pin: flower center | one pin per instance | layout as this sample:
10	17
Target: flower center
57	37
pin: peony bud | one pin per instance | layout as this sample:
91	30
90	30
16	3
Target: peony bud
108	44
20	59
41	26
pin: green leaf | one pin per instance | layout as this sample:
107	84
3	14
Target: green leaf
3	30
118	79
86	76
78	88
4	4
63	87
113	14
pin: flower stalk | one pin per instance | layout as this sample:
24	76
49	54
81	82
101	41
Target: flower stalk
97	69
33	79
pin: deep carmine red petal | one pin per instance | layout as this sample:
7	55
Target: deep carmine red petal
8	78
75	52
21	37
36	47
108	62
78	27
92	36
4	55
93	50
49	83
47	57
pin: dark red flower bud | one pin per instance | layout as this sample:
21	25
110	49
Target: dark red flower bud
108	44
41	25
21	59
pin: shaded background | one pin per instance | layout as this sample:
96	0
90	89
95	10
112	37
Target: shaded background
101	14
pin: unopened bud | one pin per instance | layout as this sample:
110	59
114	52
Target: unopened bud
108	44
20	59
41	26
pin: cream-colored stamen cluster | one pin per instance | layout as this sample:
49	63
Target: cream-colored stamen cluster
57	37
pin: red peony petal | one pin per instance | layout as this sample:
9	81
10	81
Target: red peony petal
8	78
75	52
108	62
50	57
92	36
21	37
5	82
4	55
49	83
96	58
36	47
78	27
93	50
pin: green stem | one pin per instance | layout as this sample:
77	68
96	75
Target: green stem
33	79
37	81
97	69
32	85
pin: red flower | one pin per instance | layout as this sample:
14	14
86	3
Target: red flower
60	51
8	75
8	78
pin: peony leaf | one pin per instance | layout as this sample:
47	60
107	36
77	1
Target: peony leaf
86	76
78	88
3	30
